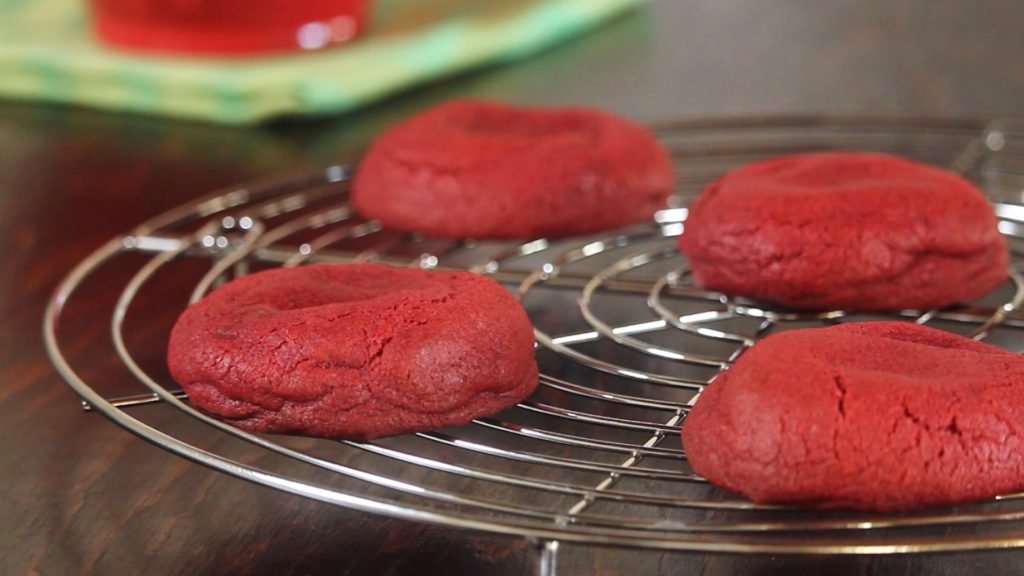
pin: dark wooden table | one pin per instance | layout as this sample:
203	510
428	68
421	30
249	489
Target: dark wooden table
79	495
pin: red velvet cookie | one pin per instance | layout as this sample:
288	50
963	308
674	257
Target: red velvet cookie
354	350
871	416
852	231
488	170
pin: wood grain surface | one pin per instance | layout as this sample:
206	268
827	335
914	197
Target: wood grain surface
80	496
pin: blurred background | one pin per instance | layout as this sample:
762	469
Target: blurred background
93	140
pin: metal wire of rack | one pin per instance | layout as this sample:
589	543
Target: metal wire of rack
625	343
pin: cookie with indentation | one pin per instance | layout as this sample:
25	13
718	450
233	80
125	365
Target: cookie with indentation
354	350
843	230
871	416
488	170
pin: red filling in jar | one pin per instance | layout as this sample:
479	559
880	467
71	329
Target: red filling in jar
227	26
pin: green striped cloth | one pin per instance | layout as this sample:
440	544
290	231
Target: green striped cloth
47	53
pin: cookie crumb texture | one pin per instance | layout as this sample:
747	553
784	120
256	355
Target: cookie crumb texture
854	231
487	170
354	351
871	416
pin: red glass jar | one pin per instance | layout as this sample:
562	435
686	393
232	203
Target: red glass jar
227	26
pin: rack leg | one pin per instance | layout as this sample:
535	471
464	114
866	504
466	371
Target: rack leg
547	564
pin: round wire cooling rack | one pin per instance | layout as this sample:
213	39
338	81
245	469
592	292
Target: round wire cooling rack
625	343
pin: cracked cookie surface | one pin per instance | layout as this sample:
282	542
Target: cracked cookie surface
854	231
871	416
488	170
354	350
